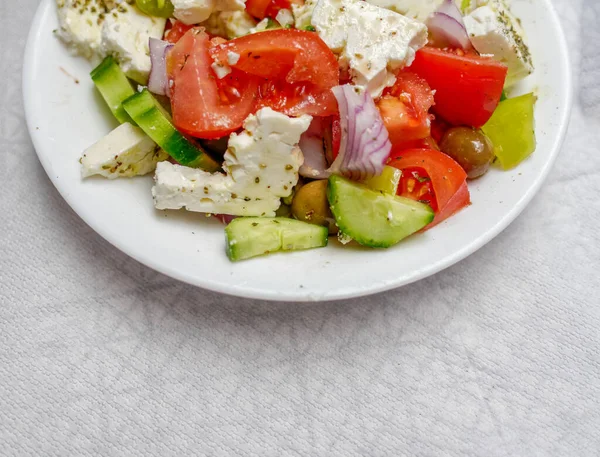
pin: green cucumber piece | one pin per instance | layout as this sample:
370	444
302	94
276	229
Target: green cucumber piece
374	219
387	182
114	87
156	123
248	237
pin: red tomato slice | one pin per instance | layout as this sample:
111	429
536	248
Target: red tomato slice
438	129
174	34
296	99
416	185
268	8
277	5
299	57
257	8
467	87
204	106
298	68
405	107
446	178
425	143
458	201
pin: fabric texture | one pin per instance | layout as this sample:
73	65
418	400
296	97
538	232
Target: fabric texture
496	356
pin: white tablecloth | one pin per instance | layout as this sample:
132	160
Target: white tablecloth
497	356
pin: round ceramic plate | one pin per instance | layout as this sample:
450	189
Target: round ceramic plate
65	115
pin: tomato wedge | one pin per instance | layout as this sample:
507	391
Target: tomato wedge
405	107
297	67
459	200
204	106
436	179
438	129
296	99
467	87
416	184
174	34
257	8
268	8
299	57
424	143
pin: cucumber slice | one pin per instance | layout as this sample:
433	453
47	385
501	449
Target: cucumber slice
114	87
156	123
248	237
374	219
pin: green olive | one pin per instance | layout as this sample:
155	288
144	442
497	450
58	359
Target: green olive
470	148
310	205
157	8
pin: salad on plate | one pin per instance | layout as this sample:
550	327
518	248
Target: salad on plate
296	120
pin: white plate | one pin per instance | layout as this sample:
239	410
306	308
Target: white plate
64	118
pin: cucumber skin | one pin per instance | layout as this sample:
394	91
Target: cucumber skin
144	109
366	238
276	234
114	87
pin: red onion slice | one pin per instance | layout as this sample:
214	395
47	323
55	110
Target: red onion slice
450	8
365	144
158	82
447	27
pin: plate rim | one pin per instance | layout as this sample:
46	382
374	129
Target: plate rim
274	295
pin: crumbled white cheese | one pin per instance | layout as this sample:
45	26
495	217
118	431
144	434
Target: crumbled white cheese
80	26
193	11
261	26
285	18
196	11
124	152
220	69
233	58
494	31
372	41
230	24
261	166
303	13
420	9
125	35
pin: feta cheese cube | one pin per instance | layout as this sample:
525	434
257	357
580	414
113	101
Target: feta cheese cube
124	152
80	26
195	11
179	187
125	35
233	58
261	26
231	5
230	24
372	41
496	32
285	18
419	10
303	13
221	70
261	166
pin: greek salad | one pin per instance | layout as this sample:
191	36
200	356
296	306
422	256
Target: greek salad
296	120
